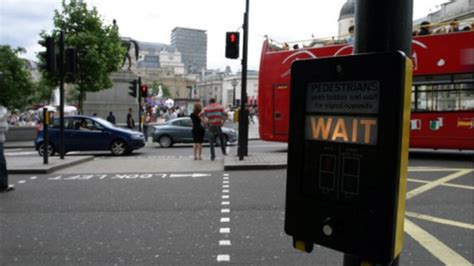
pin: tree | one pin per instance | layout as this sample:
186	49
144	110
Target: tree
15	80
99	47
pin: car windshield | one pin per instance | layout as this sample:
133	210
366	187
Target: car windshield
104	122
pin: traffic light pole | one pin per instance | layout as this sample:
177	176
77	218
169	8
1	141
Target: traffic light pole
381	26
243	114
61	94
139	97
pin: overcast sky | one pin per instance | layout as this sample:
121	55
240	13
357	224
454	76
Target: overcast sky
21	21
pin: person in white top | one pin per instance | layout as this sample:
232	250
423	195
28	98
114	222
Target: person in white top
4	187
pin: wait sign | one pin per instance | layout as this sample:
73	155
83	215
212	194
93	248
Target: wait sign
344	129
348	154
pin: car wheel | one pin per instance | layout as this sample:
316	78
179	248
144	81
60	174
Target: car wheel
51	150
119	147
165	141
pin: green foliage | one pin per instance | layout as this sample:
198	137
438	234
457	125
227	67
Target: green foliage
99	47
16	86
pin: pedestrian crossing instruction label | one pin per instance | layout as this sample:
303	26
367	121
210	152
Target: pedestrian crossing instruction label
361	96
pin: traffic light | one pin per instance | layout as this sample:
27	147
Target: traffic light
71	60
232	45
144	90
48	57
133	88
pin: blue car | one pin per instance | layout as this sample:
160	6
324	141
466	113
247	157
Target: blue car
86	133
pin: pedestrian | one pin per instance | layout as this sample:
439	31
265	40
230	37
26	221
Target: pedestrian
425	28
198	131
453	26
350	38
251	114
170	114
4	187
111	118
130	121
146	121
215	115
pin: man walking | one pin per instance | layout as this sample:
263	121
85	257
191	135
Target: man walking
130	121
4	187
111	118
215	115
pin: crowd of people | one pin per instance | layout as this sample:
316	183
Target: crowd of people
426	28
23	119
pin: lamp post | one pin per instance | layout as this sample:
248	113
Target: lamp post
234	83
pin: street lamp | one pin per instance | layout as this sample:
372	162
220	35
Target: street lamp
234	83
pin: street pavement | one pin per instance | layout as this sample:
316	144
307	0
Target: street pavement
160	207
95	216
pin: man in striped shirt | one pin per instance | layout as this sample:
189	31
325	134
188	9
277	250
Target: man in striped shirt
215	116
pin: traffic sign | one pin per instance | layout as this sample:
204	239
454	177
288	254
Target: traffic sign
348	154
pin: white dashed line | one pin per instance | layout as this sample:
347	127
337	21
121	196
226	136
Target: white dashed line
224	230
33	177
21	182
223	258
224	243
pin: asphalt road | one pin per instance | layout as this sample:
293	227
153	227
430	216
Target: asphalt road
195	213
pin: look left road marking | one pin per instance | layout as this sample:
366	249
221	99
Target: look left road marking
437	248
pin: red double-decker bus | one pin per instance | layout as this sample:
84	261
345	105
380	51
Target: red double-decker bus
442	95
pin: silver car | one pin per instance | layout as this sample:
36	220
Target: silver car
179	130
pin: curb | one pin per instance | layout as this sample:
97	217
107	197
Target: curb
19	147
46	170
234	167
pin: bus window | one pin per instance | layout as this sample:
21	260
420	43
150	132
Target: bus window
443	97
466	96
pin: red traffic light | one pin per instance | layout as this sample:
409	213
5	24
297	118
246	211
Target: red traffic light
233	38
144	90
232	45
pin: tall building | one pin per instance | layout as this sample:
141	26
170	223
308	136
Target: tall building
192	44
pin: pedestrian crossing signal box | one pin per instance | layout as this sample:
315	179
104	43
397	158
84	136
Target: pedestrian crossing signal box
348	154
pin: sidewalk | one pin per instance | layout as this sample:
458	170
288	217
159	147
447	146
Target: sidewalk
255	161
18	144
34	164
